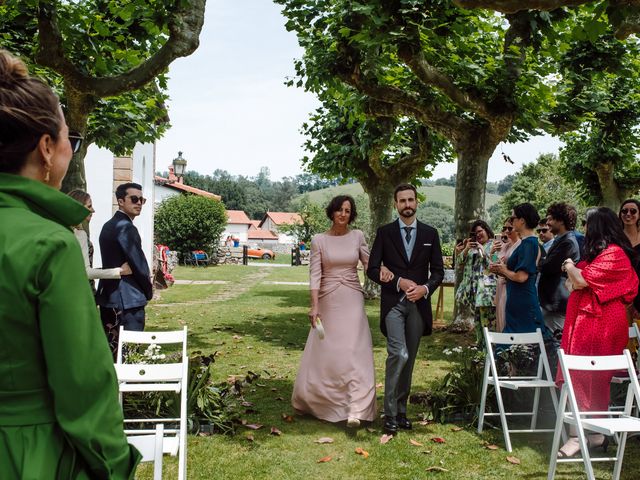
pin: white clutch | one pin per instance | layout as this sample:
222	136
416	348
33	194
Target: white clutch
319	329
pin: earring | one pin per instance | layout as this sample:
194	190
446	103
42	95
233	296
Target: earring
46	176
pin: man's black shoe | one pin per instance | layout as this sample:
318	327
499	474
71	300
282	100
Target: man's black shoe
403	422
390	426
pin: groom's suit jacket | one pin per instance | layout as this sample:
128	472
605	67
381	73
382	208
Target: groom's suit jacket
120	242
424	267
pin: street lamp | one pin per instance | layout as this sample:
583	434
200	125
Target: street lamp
179	165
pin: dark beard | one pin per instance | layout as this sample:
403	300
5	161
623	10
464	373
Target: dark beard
403	214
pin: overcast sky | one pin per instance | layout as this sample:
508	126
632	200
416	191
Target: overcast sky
230	109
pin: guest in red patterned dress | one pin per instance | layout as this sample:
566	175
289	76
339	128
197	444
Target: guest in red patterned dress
596	324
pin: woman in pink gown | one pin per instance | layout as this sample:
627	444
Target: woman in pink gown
504	250
336	379
596	323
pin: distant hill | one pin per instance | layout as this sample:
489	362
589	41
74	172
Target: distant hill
437	193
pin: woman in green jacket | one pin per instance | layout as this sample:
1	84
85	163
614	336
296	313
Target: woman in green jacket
59	411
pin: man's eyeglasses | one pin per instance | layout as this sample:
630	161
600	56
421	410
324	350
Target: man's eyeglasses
75	139
542	230
136	199
630	211
507	229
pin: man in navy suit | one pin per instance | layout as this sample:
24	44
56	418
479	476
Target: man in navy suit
411	251
122	301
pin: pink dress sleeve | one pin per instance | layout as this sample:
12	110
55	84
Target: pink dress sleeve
315	264
364	250
611	276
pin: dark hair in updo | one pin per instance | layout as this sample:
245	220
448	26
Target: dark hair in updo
528	213
604	229
336	203
28	110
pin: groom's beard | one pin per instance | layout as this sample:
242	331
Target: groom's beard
407	213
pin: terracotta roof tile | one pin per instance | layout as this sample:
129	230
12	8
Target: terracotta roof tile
280	218
238	216
260	234
184	188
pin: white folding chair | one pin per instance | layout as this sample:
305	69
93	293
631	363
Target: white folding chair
634	334
162	377
606	422
150	446
542	379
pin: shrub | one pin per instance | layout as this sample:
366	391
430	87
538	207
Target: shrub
190	222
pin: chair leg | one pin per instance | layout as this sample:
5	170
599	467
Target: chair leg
617	469
584	450
534	412
555	444
503	419
483	398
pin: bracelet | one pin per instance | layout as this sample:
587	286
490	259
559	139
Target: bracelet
563	266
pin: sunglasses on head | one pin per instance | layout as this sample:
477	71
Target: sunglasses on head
542	230
507	229
630	211
136	199
75	139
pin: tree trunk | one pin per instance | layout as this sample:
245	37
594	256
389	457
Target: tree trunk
380	195
79	107
612	195
471	180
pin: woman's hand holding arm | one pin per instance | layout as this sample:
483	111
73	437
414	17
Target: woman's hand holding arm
386	275
313	311
575	275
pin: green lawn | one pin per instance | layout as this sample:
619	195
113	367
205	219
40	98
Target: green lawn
258	325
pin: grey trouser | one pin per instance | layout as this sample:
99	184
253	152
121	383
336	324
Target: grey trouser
404	329
553	320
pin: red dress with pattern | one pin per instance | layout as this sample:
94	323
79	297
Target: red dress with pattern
596	322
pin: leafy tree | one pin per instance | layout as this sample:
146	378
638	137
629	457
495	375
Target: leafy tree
314	221
539	184
505	184
473	78
108	59
438	216
447	182
190	222
601	96
623	15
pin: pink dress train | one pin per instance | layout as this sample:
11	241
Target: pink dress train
336	379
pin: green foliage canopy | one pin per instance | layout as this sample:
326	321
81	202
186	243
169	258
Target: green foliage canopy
190	222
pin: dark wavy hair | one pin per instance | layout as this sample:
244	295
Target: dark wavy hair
336	203
484	225
564	212
528	213
603	229
636	203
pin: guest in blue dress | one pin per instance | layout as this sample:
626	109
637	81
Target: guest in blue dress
523	312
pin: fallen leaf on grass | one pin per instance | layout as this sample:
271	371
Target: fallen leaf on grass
324	440
492	447
275	431
514	460
260	385
254	426
324	460
385	438
438	440
424	422
247	404
437	469
274	389
287	418
280	399
249	438
456	429
371	430
414	443
426	452
236	337
362	452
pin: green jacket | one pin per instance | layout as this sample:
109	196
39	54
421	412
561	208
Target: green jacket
59	411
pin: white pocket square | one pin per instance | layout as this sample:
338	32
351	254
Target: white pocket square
426	244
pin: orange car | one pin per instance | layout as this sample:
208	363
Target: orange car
258	252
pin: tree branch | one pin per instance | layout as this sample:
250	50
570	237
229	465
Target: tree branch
184	31
512	6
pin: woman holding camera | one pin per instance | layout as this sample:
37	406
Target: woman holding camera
477	290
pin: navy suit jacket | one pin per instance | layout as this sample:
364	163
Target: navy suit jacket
424	267
120	242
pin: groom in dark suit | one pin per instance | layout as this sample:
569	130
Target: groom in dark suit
410	250
122	301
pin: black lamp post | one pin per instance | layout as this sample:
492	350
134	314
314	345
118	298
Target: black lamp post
179	165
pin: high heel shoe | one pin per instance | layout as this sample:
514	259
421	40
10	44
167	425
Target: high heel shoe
569	449
604	444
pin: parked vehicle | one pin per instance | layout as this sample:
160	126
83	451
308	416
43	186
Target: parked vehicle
259	252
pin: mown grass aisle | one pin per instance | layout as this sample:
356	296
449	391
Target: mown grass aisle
255	317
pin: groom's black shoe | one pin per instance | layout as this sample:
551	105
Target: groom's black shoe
390	426
403	422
